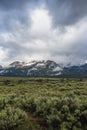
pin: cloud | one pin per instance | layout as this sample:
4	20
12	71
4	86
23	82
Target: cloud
31	30
64	12
67	12
9	4
3	55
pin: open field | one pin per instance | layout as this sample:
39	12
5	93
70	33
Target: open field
43	104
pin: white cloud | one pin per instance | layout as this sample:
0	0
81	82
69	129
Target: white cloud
41	22
3	56
41	41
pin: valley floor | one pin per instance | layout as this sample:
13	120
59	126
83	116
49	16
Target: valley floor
43	104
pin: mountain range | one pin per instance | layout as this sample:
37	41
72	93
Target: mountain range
43	68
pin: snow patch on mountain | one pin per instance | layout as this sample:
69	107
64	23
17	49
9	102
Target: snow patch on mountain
57	69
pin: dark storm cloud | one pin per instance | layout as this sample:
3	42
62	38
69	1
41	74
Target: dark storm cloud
9	19
67	12
12	11
12	4
18	4
63	12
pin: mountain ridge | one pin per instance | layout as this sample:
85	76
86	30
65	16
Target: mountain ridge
44	68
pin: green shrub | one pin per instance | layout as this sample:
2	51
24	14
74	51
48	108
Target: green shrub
11	117
3	102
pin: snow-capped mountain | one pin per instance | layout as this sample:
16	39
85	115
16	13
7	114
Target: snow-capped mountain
32	68
43	68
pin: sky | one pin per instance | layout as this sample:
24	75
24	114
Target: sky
43	30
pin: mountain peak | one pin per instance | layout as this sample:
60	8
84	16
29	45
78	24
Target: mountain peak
16	63
44	68
32	68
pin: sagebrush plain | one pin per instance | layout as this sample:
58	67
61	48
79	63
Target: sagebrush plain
43	104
